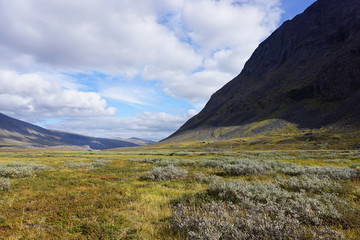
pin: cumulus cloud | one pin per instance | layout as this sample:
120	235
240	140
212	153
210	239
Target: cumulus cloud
224	34
134	95
112	36
128	37
39	96
148	125
190	48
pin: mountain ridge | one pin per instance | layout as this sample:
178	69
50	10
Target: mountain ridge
306	73
17	133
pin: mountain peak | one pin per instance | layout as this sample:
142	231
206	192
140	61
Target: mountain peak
306	73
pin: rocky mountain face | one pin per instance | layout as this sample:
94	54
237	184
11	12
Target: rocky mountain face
306	73
16	133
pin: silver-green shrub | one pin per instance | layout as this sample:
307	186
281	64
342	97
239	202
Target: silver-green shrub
100	162
4	184
245	168
79	165
20	170
309	183
204	178
338	173
228	221
166	173
311	210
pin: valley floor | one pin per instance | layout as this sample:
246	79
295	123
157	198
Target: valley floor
146	194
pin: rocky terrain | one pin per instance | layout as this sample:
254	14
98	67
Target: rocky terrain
305	75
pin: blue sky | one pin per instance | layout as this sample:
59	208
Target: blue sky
122	69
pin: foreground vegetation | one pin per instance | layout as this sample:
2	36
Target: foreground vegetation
180	195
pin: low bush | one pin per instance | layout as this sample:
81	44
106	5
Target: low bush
204	178
309	183
338	173
79	165
245	168
227	221
100	162
20	170
166	173
4	184
314	210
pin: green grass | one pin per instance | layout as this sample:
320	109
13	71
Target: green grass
116	201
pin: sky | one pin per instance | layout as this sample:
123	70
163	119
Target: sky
126	68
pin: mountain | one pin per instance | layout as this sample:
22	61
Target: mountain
141	141
138	141
16	133
305	75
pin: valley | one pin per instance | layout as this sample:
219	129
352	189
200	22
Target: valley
139	193
274	153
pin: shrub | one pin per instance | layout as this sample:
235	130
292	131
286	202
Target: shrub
309	183
166	173
206	178
338	173
15	172
4	184
245	168
227	221
20	170
210	163
79	165
159	161
100	162
311	210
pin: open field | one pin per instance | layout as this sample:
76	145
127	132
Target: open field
221	195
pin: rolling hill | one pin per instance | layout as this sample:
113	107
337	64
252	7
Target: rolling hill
16	133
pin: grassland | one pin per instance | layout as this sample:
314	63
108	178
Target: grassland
109	195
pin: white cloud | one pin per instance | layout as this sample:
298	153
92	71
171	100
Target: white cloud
195	87
126	37
130	94
191	47
148	125
224	33
112	36
40	95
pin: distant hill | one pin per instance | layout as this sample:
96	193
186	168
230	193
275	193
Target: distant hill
141	141
16	133
305	75
138	141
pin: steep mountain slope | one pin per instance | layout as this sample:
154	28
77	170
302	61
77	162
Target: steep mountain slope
16	133
306	74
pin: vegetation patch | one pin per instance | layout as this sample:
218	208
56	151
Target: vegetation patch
20	170
241	210
228	221
309	184
294	195
79	165
4	184
166	173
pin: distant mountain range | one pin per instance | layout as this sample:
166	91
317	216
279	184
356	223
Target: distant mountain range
305	75
16	133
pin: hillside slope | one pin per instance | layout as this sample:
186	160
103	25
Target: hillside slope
306	74
16	133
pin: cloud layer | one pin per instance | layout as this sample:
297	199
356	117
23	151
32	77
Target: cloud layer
34	96
148	125
191	48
